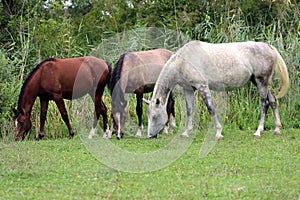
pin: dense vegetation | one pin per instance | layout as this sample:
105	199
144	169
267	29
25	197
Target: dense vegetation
31	31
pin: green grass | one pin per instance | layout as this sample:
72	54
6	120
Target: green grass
238	167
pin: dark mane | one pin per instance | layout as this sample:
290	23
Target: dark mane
116	73
27	80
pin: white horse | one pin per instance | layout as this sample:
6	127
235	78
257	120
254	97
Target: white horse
203	67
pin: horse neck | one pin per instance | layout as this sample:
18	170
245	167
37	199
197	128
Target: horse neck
164	85
29	95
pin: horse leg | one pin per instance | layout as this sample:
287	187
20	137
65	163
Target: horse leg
263	92
108	134
189	100
171	114
100	108
272	101
139	112
62	109
120	124
96	117
43	115
206	96
103	112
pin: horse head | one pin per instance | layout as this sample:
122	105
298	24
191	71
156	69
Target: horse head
118	115
22	124
157	117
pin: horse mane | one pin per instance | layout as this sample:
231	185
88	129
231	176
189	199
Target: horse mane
32	72
116	73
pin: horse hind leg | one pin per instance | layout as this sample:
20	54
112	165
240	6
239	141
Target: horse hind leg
103	112
100	109
272	101
97	103
263	91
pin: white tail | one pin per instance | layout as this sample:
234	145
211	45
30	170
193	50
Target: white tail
282	73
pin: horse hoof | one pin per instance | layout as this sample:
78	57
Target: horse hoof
256	136
39	137
119	137
276	133
219	137
151	137
184	136
106	137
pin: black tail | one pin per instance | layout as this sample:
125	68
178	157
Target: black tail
109	74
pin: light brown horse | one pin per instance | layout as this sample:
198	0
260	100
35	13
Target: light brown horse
54	79
136	72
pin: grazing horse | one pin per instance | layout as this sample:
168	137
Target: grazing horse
136	72
54	79
203	67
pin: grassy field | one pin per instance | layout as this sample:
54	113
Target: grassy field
238	167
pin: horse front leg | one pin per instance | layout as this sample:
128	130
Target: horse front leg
139	112
189	100
206	96
108	134
62	109
171	115
43	116
120	124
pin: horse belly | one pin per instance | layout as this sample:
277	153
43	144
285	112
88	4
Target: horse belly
144	79
230	80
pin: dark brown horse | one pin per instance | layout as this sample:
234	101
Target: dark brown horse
54	79
136	72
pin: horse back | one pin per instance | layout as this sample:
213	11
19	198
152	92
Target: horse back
142	68
64	76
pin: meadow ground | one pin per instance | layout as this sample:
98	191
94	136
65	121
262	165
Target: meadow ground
238	167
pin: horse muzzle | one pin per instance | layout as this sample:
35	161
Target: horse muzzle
20	136
17	139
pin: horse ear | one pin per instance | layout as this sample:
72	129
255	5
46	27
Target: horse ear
146	101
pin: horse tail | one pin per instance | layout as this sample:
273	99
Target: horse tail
109	74
282	73
115	79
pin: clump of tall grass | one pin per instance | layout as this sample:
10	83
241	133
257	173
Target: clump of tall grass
242	105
